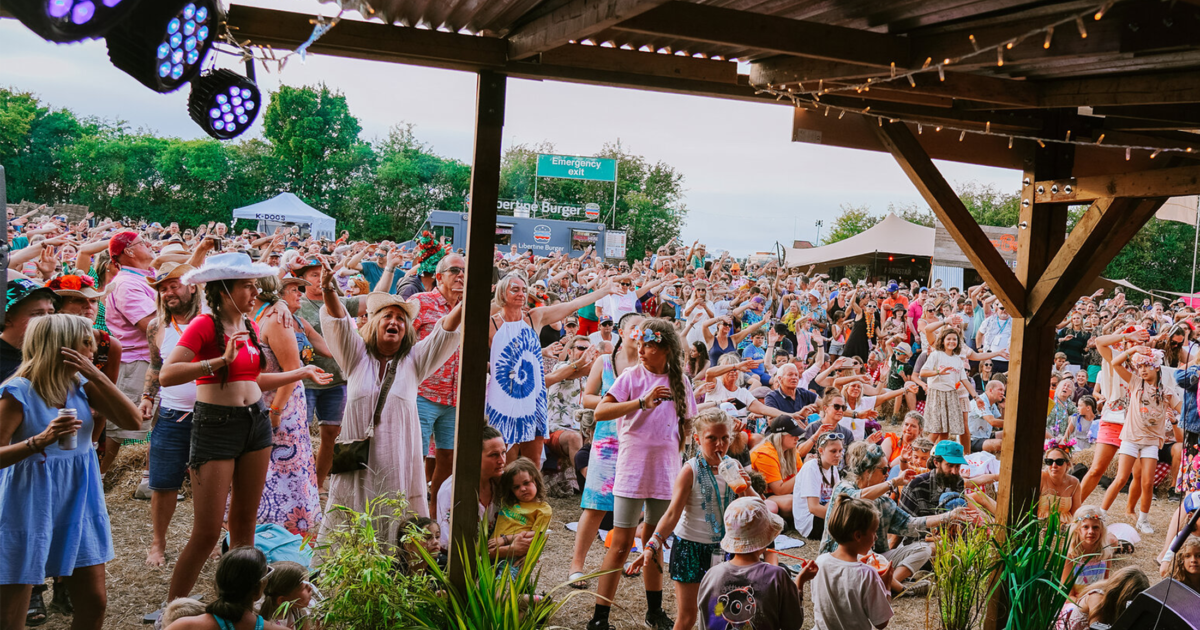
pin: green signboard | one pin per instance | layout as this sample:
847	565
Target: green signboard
576	167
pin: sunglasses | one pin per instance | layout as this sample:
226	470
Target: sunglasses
826	437
626	284
837	407
455	270
1057	461
582	349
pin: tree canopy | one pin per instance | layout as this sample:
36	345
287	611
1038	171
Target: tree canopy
1159	256
312	147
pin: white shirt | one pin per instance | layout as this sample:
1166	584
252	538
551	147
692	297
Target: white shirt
720	394
597	338
849	596
615	305
809	483
996	334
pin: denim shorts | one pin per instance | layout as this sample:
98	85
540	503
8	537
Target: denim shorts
170	447
328	404
437	420
220	432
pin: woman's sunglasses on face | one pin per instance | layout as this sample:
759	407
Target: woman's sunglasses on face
1055	461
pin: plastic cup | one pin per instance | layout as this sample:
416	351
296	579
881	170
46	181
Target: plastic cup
68	441
877	562
731	471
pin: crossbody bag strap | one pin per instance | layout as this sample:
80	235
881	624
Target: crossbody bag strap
388	379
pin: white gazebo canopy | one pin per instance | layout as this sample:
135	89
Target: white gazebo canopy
287	208
892	235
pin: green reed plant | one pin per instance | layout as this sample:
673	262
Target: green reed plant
1029	564
359	578
496	596
962	562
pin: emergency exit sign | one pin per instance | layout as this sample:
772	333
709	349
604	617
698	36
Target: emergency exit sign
576	167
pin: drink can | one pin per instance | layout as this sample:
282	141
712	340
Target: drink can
731	471
68	441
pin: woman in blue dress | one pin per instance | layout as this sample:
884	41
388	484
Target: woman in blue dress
53	521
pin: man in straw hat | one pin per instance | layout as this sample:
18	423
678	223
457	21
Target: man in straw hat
178	305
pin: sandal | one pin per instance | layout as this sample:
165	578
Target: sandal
61	601
577	582
37	614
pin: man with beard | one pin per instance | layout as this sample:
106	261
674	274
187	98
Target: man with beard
923	496
170	443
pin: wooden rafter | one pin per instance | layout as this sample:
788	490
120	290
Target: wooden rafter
953	214
1166	182
1104	229
715	25
575	20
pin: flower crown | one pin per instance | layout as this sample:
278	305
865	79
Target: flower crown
1154	359
650	336
1066	447
71	283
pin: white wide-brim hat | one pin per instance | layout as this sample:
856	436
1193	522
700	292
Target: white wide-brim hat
749	526
231	266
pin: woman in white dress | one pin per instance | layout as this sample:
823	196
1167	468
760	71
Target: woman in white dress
516	393
395	464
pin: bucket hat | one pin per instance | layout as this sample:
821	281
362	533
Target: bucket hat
749	526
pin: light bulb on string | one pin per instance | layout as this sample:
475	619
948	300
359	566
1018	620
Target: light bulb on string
928	60
1100	139
987	128
1049	36
938	128
826	111
1155	154
1010	141
841	113
1041	144
999	56
919	129
974	44
893	69
867	109
911	81
961	136
941	74
1127	152
1068	135
1103	9
1079	25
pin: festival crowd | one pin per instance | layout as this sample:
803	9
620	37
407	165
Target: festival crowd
696	405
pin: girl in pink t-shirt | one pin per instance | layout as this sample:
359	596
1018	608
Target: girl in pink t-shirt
652	403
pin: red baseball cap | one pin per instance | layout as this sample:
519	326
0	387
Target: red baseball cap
119	242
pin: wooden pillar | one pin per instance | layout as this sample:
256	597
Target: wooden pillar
477	295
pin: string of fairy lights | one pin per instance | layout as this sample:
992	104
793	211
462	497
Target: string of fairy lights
811	98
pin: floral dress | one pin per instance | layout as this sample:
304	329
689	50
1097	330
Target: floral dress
291	497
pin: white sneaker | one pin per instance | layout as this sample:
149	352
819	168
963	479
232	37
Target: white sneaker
143	489
1145	527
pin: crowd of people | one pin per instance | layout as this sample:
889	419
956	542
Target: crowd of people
695	404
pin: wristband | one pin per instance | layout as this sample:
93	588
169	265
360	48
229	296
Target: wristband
147	396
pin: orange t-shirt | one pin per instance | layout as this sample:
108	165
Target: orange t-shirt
765	460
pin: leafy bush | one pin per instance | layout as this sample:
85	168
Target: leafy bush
362	586
961	566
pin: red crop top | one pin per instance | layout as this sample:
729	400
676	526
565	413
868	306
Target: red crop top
200	337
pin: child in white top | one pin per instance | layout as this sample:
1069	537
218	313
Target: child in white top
848	594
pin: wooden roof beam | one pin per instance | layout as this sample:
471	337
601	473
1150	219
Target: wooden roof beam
958	85
715	25
576	20
1106	227
1140	89
953	214
1161	183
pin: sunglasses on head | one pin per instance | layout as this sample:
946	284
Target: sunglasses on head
826	437
1055	461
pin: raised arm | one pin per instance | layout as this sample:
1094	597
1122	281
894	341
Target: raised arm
543	314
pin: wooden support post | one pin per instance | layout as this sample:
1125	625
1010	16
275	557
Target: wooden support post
1042	228
477	296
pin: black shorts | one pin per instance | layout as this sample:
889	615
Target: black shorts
1164	453
977	444
220	432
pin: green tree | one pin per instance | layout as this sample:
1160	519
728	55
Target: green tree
989	205
852	220
1158	257
316	147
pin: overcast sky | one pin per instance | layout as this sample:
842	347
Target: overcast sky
746	184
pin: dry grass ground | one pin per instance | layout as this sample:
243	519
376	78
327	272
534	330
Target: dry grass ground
135	589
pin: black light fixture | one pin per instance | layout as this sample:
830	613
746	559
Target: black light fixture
224	103
163	43
70	20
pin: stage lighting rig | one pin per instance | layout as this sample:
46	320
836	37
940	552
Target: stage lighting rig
224	103
164	42
64	21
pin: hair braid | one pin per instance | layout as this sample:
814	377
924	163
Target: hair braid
673	348
212	295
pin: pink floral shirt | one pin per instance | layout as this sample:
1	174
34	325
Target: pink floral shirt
442	386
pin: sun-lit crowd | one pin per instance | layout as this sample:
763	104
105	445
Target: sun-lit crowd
695	406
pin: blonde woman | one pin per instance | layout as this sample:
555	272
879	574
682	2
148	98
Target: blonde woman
53	520
777	460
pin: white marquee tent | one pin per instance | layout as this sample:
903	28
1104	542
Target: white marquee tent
288	209
892	235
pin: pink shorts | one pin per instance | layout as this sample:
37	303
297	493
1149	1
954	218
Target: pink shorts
1109	434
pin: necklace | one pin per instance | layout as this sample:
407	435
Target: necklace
870	326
